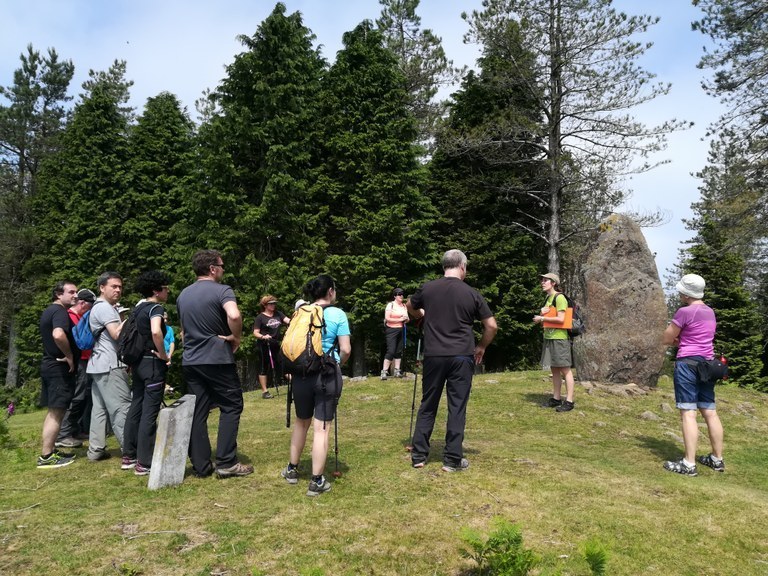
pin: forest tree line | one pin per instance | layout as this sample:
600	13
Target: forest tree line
298	166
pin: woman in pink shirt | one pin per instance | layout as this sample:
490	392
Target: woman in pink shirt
692	330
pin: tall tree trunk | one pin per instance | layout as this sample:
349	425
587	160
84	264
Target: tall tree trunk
358	354
555	149
12	369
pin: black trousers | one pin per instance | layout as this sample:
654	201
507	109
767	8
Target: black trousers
77	418
454	373
219	384
146	399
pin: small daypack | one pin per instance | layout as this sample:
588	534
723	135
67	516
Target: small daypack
577	326
131	345
302	345
81	332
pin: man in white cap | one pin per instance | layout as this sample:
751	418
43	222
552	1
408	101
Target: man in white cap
692	330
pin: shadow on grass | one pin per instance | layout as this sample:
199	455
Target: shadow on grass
664	449
538	399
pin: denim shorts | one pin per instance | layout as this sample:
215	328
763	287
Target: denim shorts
690	391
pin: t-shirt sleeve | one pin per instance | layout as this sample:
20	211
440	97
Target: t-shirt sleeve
679	319
227	295
257	324
342	323
61	320
156	310
101	315
561	303
483	310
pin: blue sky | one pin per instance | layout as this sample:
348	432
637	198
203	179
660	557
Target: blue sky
183	47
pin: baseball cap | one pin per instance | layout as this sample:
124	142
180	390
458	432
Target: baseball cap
552	276
86	296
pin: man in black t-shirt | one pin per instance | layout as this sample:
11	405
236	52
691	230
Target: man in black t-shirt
58	371
450	307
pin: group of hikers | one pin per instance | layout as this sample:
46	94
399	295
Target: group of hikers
211	330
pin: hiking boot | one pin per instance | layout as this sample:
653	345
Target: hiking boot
236	469
69	442
99	456
55	460
140	470
266	395
126	463
680	467
291	475
709	461
399	374
384	375
566	406
553	402
463	465
317	488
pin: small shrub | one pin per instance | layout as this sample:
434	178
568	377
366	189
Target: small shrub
596	555
502	554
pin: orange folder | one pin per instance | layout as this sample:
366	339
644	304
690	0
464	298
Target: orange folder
567	321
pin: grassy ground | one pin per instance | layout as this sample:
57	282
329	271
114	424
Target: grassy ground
594	472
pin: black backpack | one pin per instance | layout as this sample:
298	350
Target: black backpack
577	327
131	345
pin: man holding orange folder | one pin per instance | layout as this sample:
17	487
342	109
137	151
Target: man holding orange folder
556	353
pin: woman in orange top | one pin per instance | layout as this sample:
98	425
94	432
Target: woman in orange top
395	317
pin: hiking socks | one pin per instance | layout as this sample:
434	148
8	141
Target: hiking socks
318	479
689	464
292	466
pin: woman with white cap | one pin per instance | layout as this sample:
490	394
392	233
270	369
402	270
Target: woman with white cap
692	330
556	353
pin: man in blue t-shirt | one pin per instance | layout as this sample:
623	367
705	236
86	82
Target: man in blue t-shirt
211	328
450	308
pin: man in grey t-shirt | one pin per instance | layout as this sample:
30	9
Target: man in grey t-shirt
111	391
211	328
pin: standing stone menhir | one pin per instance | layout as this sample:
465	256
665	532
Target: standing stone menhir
623	306
169	460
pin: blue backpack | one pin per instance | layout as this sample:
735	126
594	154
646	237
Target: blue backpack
81	332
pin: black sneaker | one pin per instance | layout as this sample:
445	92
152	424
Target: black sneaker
55	460
462	465
317	488
565	406
291	475
553	402
679	467
266	395
709	461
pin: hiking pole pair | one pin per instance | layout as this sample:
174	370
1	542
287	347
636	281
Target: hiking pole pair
409	446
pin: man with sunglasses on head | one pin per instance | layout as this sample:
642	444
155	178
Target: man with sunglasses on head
211	328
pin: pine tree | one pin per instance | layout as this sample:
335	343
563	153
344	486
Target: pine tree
712	255
259	156
376	221
477	192
585	80
30	124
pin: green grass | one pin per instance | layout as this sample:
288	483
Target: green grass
566	479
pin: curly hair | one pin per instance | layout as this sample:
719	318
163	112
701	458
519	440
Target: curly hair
150	282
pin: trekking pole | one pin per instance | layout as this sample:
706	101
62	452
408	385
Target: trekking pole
336	473
409	446
274	374
288	401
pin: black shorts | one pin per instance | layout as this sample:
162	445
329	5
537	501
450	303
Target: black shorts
58	387
266	362
316	394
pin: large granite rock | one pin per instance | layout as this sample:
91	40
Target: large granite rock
623	306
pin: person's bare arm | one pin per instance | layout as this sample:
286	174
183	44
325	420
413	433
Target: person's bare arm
671	336
235	323
60	338
345	349
158	337
489	333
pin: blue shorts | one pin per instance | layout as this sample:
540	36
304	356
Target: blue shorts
690	391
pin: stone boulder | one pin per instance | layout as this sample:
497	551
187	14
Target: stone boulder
623	307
